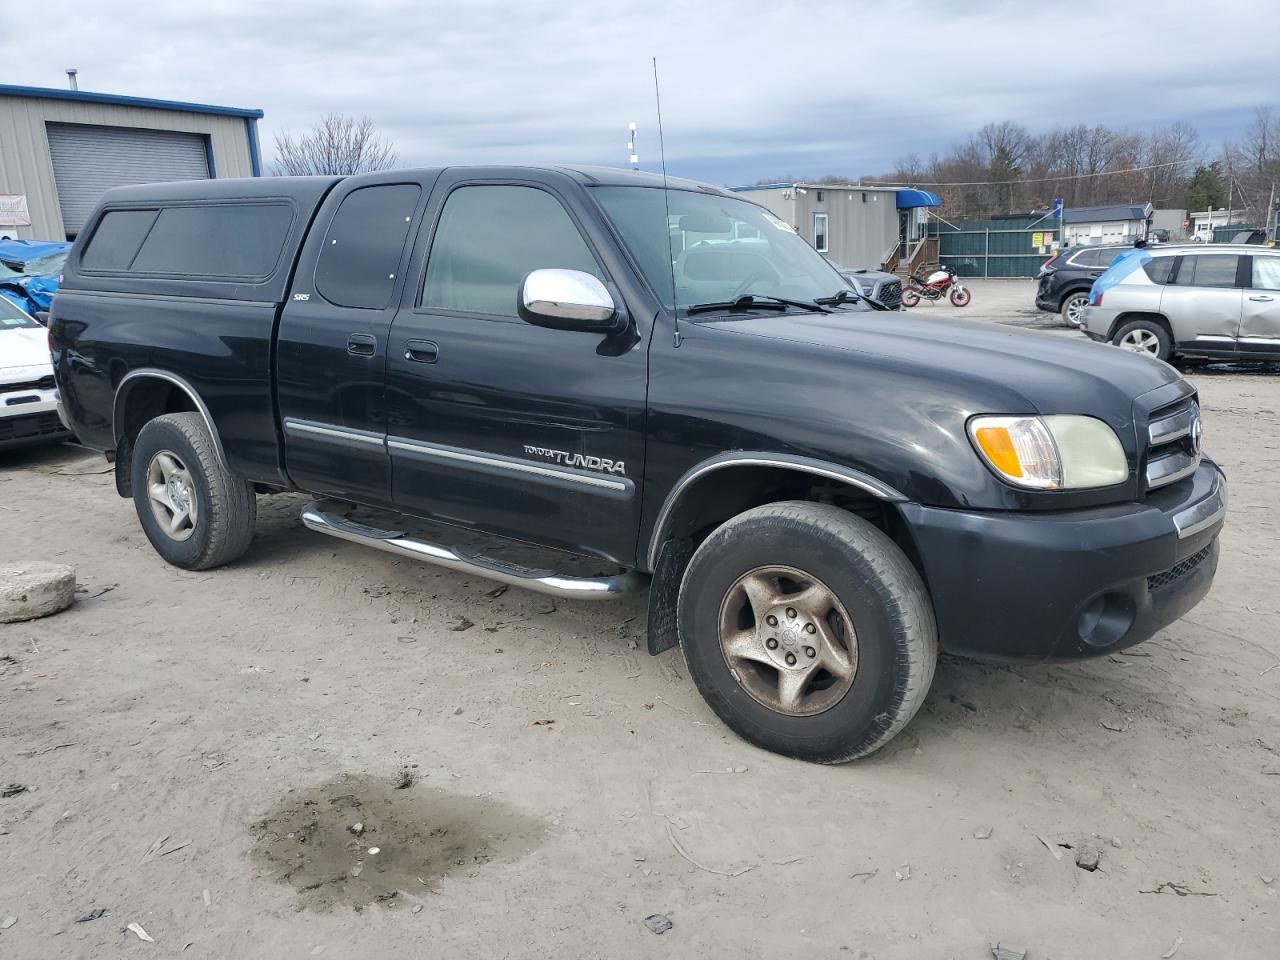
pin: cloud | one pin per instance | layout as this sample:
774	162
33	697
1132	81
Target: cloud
750	88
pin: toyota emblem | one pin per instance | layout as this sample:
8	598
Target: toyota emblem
1196	431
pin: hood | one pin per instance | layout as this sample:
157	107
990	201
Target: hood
23	348
25	251
1006	369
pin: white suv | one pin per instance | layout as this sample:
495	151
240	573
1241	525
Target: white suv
1220	301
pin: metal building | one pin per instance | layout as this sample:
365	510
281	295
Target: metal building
1115	223
851	225
60	150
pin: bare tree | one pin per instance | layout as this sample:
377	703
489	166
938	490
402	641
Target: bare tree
338	144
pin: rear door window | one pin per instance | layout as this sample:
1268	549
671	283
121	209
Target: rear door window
1266	273
1208	270
362	248
240	241
117	238
489	238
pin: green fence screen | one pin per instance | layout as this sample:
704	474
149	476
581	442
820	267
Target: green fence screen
1014	247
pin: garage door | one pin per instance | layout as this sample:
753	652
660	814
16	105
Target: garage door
90	160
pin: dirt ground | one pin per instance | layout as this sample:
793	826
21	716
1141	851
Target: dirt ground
241	761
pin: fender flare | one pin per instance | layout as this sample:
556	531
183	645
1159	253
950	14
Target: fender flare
749	458
181	384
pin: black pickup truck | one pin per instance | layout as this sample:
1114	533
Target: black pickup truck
662	378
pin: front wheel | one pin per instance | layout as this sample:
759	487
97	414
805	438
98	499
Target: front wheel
909	297
195	512
960	297
807	631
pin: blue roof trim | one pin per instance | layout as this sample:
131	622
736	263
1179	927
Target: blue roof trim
255	159
909	199
82	96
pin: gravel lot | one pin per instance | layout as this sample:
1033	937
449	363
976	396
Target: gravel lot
198	749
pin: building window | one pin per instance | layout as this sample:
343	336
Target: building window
820	232
821	196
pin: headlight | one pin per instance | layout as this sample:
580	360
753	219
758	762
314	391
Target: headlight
1062	452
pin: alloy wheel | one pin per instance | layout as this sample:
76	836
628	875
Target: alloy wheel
172	495
1141	341
1075	310
788	640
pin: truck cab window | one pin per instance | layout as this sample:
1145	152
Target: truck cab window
362	248
489	238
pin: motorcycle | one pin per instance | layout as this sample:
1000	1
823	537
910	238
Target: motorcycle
943	282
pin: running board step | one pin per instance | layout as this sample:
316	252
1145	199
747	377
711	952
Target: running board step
315	517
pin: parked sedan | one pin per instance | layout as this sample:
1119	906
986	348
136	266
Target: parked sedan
1066	278
1220	301
28	394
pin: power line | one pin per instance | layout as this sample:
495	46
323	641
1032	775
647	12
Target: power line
1001	183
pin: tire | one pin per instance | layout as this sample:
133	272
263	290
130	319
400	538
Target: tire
959	297
888	657
909	297
1144	336
1073	309
220	527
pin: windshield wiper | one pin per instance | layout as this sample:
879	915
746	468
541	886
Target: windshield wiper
849	296
756	301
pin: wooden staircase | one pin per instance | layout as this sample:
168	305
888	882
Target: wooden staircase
925	252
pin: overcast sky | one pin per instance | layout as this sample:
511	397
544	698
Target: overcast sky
749	89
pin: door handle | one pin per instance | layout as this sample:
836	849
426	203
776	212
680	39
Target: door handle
361	345
1262	299
421	351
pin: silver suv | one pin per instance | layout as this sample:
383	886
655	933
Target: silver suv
1220	301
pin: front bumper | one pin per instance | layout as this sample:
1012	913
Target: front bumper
1080	583
30	416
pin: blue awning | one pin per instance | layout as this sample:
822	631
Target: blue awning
908	199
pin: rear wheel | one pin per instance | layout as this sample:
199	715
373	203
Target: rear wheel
1073	309
909	297
807	631
195	512
960	297
1144	336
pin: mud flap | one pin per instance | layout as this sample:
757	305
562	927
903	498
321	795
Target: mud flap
664	591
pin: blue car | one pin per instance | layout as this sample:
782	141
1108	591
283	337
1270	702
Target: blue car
30	271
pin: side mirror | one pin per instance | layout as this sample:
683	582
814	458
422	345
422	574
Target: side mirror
568	300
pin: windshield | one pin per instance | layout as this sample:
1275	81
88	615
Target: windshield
11	316
718	248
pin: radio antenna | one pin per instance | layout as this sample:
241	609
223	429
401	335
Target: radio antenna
666	203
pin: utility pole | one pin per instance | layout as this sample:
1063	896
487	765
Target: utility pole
1271	214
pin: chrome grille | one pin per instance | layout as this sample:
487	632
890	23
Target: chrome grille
1173	438
891	294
